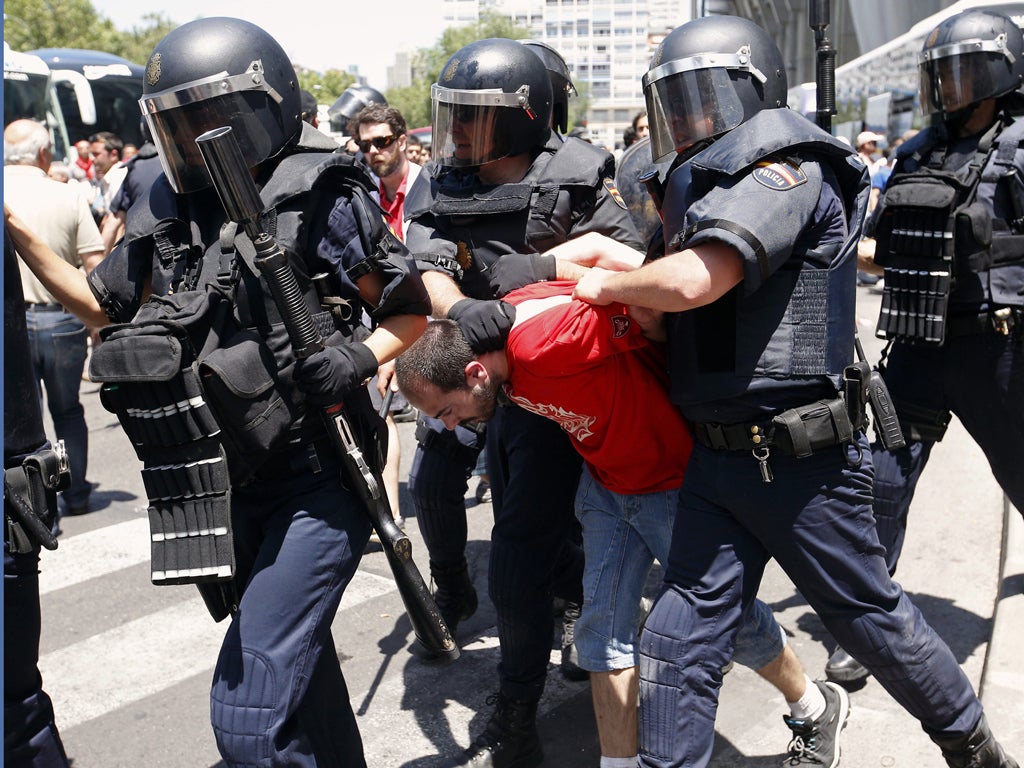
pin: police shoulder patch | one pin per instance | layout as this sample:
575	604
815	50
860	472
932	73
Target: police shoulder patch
779	174
609	184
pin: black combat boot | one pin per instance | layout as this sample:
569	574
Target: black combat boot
977	750
510	739
454	593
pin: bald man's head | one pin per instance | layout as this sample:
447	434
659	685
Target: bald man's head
27	142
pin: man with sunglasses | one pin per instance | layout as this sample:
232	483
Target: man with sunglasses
506	190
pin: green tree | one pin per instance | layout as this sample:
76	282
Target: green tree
32	24
139	42
325	86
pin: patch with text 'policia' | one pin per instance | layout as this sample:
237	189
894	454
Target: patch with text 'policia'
609	184
779	174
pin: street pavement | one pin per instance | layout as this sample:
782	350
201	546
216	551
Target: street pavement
128	664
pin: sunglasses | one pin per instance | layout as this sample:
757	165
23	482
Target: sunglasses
380	142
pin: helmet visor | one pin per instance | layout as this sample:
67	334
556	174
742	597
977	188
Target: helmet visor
467	125
956	76
686	106
177	117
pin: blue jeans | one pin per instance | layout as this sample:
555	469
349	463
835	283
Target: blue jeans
816	520
278	695
623	534
57	341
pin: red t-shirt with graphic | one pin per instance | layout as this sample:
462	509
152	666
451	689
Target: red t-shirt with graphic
590	369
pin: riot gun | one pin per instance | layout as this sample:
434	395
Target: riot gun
868	379
242	204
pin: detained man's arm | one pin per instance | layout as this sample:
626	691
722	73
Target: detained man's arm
674	283
593	250
65	282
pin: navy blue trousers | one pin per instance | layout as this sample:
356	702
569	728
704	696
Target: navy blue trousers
980	378
816	521
438	481
278	695
536	550
31	739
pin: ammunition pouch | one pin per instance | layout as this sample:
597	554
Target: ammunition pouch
30	499
916	237
151	379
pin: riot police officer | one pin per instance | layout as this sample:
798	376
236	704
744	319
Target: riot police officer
347	106
505	191
955	345
561	83
761	221
31	738
278	695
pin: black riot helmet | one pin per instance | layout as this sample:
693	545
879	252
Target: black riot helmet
972	56
561	82
492	100
708	76
352	100
212	73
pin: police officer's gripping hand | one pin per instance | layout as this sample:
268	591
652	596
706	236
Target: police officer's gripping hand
325	377
485	324
514	270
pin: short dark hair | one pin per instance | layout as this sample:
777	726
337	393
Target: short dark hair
111	141
439	357
380	113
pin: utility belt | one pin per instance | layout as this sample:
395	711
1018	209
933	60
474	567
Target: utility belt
799	432
1007	321
30	496
44	307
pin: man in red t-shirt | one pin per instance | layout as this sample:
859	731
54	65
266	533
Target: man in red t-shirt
593	371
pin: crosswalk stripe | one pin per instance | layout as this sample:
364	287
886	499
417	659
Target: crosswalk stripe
95	553
147	655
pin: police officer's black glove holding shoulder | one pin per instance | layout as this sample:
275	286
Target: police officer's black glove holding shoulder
485	324
515	270
328	375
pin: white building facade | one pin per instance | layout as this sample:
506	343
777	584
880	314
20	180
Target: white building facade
606	43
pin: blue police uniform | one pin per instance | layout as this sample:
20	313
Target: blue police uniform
461	227
975	372
789	199
31	739
278	695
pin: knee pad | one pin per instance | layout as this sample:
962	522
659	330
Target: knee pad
243	703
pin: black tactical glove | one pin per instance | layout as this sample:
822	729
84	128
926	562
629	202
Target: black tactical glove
514	270
328	375
485	324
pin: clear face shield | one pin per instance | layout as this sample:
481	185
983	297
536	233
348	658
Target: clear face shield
177	116
958	75
693	99
467	125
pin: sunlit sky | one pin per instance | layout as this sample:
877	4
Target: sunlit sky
318	35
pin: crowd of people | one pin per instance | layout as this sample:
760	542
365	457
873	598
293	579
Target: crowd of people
494	286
